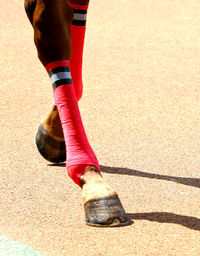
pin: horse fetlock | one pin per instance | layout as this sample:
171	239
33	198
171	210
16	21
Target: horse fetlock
52	124
93	185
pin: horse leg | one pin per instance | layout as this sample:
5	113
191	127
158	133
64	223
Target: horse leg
51	20
49	137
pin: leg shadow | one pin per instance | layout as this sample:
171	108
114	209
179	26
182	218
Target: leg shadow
194	182
168	217
58	165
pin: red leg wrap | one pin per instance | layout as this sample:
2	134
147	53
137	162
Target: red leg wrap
79	152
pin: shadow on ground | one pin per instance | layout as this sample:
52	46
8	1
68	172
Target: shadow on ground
58	165
167	217
194	182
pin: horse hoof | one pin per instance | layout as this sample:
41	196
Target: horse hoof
105	212
50	148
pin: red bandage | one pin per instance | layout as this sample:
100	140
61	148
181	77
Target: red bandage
79	152
78	28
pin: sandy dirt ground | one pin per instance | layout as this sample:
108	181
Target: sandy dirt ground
141	110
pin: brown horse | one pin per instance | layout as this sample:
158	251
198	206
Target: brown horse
52	21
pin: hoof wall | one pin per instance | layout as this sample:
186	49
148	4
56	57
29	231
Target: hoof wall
106	212
51	149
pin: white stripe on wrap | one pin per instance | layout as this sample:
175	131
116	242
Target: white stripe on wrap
59	76
78	16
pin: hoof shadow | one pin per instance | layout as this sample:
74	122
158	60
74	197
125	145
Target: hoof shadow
168	217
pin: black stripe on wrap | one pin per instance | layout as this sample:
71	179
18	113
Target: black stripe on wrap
79	11
58	69
61	82
79	22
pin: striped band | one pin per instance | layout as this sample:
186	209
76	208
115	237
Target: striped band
59	76
79	17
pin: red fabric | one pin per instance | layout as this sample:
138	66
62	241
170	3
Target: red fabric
79	152
56	64
76	59
78	6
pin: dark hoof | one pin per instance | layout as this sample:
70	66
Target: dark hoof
51	149
106	212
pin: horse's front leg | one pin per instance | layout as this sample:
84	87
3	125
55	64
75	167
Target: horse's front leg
51	20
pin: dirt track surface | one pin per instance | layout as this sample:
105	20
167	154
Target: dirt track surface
141	110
